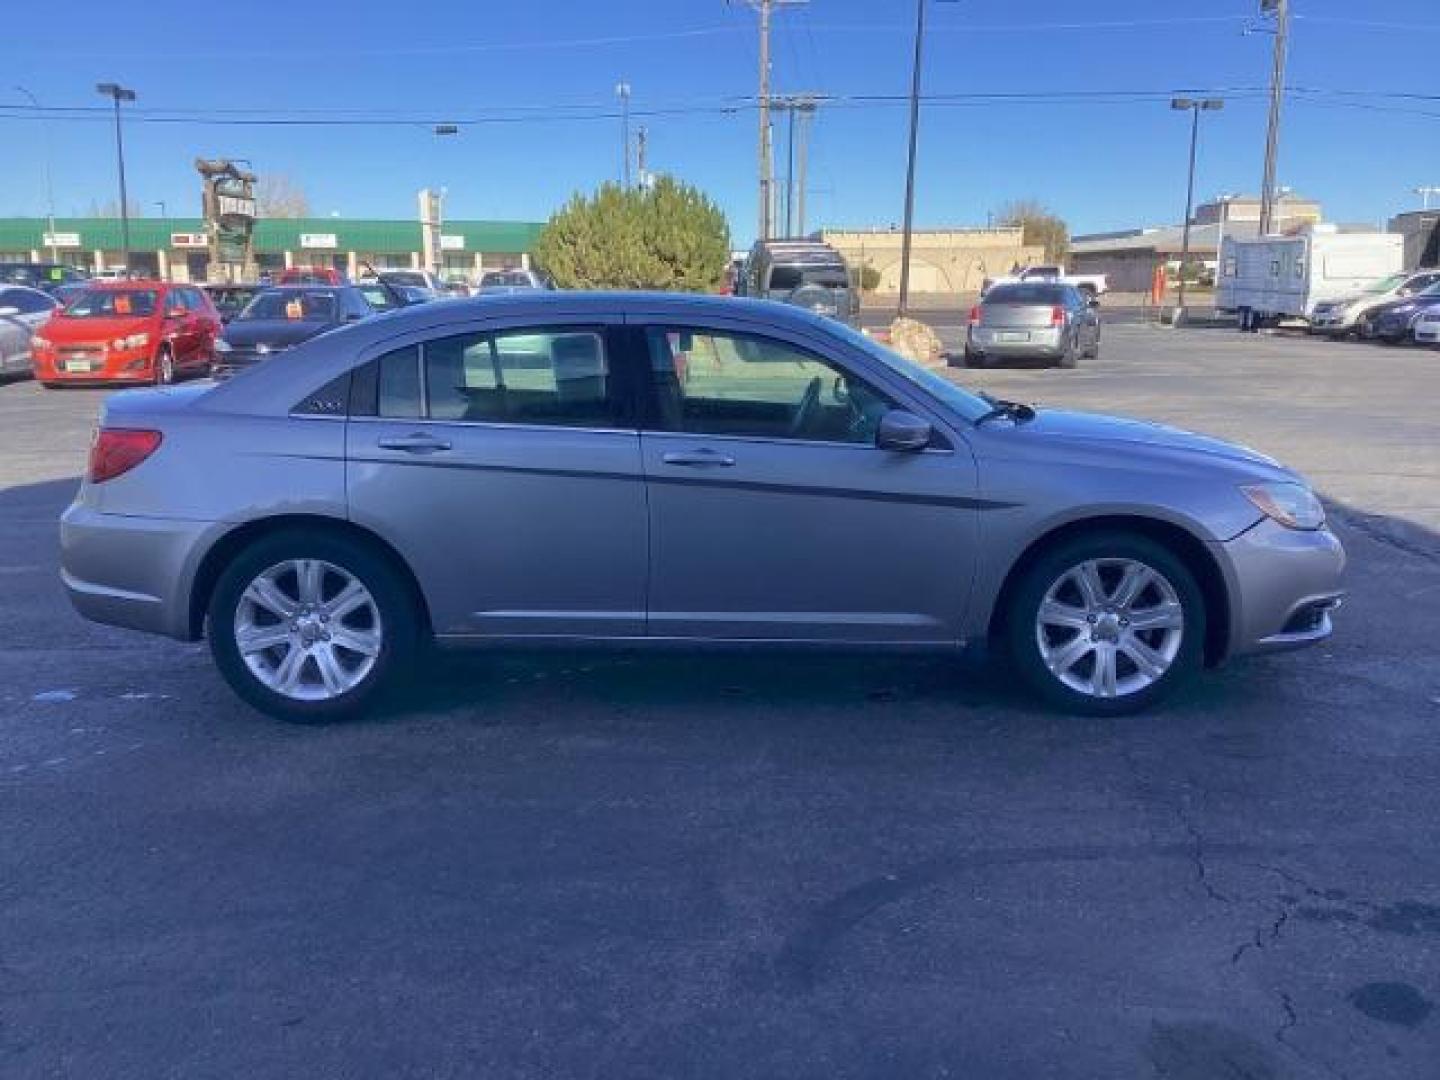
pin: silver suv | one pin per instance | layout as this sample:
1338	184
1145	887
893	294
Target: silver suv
807	274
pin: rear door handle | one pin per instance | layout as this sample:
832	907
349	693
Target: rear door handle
418	443
699	459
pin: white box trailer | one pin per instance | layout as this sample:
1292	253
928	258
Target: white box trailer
1272	277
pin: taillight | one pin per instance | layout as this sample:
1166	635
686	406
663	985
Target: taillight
975	315
116	451
1057	316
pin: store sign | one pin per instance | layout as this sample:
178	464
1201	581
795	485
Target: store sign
189	240
319	240
62	239
452	243
234	205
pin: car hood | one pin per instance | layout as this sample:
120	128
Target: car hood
1405	306
1123	435
279	333
67	330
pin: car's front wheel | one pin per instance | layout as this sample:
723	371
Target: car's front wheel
1106	624
311	628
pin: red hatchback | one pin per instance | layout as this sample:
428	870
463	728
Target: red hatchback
128	331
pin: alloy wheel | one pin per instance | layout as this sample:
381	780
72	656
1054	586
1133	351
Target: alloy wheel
1108	628
308	629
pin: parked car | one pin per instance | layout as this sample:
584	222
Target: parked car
494	282
1391	322
1033	321
22	311
40	275
1340	317
63	294
310	275
1089	285
127	332
803	273
416	294
1427	326
809	488
281	318
230	298
456	285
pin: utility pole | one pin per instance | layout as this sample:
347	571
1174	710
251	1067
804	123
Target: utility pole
766	157
622	91
1425	194
640	174
118	93
50	176
1281	11
806	115
910	160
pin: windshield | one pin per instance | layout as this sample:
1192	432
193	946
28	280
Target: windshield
112	304
404	277
378	297
961	400
1384	285
299	305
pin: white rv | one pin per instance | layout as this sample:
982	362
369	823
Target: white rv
1270	277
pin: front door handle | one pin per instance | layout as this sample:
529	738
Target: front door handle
703	458
418	443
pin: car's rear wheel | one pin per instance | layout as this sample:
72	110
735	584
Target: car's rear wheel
311	628
1106	624
1070	355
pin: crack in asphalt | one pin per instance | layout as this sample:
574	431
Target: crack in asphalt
1291	1021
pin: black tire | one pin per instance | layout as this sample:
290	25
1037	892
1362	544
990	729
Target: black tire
1023	604
1070	356
974	359
400	619
164	366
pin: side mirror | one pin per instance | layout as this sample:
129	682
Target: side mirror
903	431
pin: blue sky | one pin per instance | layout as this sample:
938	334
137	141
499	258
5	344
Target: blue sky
1100	165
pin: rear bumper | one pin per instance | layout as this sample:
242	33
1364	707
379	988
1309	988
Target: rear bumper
131	571
1042	341
1284	586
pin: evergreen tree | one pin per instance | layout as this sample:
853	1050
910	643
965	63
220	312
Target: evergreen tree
668	236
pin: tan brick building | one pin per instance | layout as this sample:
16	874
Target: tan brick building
941	260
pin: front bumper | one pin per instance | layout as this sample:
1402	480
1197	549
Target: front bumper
132	571
98	368
1428	332
1329	322
1284	586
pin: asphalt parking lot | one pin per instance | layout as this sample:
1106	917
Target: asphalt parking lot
613	866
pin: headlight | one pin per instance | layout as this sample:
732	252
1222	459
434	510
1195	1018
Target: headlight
221	345
38	342
1292	505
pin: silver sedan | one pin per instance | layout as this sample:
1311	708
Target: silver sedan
663	469
1033	321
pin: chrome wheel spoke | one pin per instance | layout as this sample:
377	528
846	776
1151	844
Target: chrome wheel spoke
1166	616
364	642
1054	613
1102	679
332	674
1092	589
1133	581
1068	655
288	671
1150	663
310	577
258	638
349	600
263	592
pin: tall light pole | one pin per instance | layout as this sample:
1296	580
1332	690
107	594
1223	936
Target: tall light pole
1280	9
117	93
622	91
1195	106
49	176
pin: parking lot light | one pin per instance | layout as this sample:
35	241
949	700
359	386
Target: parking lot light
117	93
1194	106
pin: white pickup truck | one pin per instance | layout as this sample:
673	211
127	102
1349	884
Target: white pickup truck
1091	285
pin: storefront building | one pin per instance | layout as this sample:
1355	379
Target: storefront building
176	249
